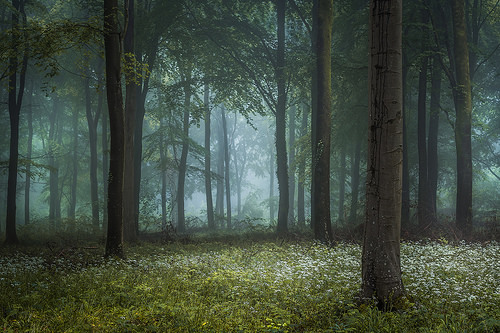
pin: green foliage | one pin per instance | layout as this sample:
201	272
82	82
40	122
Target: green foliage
251	287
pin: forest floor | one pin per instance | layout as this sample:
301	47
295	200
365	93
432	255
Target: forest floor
244	286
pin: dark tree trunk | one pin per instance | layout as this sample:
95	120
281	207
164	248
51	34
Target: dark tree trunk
219	200
320	201
432	142
163	172
92	122
74	174
226	169
353	214
272	171
129	220
463	107
114	240
381	270
291	164
105	156
15	98
281	161
423	189
314	99
54	168
181	219
208	169
27	185
405	192
301	214
342	179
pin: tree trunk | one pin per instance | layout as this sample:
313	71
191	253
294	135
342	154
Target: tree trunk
129	220
15	98
74	174
314	99
181	219
163	172
272	171
320	200
105	157
405	204
432	141
226	169
381	271
301	218
463	108
219	200
114	240
208	169
54	169
423	190
92	121
282	168
27	185
291	164
353	214
342	179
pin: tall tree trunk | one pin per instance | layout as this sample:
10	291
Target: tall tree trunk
301	218
129	221
463	108
432	141
320	200
226	169
27	185
353	214
92	121
181	219
105	156
423	189
381	268
291	164
219	200
281	161
314	99
74	174
114	240
405	204
163	172
342	179
54	170
208	169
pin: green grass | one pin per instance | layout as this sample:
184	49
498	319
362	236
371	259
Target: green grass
249	287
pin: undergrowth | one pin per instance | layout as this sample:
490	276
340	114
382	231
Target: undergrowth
246	286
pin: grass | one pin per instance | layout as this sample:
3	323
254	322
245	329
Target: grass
265	286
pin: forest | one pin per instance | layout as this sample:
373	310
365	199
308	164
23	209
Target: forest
250	165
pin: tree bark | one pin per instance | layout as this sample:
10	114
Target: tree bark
291	164
92	121
15	98
114	240
105	154
353	214
54	168
226	169
74	174
129	214
27	185
181	219
301	218
381	270
342	179
432	141
463	108
282	168
405	204
208	169
423	189
219	199
320	201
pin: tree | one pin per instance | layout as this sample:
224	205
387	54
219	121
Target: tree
463	108
208	171
381	271
114	240
15	98
321	122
